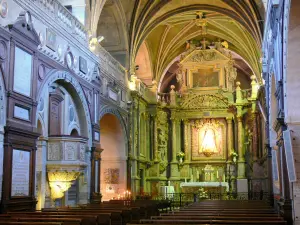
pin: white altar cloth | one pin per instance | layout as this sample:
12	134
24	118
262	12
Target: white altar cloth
205	184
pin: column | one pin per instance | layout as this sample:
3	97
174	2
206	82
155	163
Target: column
41	173
240	139
174	139
186	140
242	182
229	138
1	158
255	137
175	148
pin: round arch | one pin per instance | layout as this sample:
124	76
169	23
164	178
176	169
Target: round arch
114	156
115	112
56	75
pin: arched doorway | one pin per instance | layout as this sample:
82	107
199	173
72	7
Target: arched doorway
113	158
64	124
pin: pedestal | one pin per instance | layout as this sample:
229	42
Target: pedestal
242	186
241	170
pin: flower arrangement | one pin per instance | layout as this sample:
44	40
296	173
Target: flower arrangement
180	156
234	155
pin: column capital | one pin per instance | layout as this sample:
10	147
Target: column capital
229	119
175	119
239	118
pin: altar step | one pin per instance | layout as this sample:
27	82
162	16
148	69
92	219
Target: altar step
220	212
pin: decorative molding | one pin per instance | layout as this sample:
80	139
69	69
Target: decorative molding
206	101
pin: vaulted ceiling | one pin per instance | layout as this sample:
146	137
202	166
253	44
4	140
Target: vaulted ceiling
153	33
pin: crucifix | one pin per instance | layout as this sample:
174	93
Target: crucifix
204	43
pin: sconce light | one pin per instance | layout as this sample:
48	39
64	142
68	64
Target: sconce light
100	39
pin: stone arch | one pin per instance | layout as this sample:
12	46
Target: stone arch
115	112
114	156
112	26
56	75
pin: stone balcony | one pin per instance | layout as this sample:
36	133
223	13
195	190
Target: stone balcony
54	15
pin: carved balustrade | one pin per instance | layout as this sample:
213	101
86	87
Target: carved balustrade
62	17
110	65
163	98
56	16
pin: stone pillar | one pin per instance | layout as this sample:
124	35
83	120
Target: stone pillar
41	173
229	138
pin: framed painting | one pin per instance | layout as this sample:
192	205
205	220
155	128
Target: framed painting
205	78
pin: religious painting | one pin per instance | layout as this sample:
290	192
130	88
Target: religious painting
20	173
205	78
208	139
112	175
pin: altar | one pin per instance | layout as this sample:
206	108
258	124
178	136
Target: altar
192	187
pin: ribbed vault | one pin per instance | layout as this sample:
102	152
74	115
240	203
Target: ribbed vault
164	26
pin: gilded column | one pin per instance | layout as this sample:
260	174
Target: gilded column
186	140
175	174
229	138
241	159
174	138
255	137
240	139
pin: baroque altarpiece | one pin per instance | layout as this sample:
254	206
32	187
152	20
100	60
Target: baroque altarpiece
206	131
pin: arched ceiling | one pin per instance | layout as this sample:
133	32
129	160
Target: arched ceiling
164	26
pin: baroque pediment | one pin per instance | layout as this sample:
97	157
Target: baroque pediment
204	101
198	56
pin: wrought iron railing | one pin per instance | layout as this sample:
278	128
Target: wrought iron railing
181	199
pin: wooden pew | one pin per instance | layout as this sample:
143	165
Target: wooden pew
85	219
30	223
219	212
